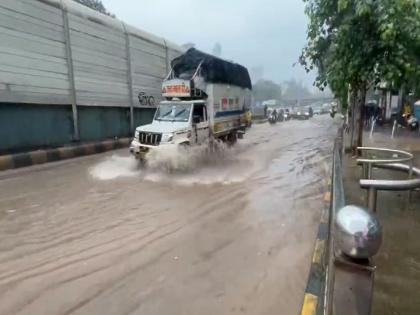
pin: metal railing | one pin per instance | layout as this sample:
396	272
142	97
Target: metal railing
345	274
348	268
368	163
395	162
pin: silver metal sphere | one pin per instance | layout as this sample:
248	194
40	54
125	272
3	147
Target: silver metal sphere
358	232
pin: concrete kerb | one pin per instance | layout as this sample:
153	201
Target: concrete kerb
6	162
313	302
12	161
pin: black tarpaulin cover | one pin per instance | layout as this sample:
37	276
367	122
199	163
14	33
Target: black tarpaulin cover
213	69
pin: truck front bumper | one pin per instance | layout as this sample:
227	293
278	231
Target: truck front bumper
139	150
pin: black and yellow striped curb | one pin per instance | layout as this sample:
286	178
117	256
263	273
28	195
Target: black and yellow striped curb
51	155
313	302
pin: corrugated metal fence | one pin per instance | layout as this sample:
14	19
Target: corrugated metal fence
60	53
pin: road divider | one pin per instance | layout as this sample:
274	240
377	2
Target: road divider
51	155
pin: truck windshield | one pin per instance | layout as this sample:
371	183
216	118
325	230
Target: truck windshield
173	112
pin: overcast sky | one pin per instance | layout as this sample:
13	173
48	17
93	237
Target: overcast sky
256	33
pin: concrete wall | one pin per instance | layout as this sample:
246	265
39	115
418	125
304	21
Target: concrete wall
64	62
25	127
97	123
33	63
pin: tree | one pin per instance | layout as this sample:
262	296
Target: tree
96	5
355	44
217	50
266	90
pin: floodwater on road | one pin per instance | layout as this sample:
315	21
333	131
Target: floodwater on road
231	235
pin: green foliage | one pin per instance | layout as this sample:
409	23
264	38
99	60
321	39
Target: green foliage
358	43
96	5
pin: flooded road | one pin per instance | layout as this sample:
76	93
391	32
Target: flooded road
95	235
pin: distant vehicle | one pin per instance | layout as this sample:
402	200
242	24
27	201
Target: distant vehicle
294	112
325	108
272	118
286	114
310	111
333	111
302	113
317	110
409	121
280	115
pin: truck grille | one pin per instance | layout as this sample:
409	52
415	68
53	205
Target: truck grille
150	138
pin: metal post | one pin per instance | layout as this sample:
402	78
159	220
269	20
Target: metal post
70	67
372	196
129	77
410	171
410	176
365	171
369	171
353	119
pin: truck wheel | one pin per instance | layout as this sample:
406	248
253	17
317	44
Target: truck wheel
214	146
141	162
232	138
185	146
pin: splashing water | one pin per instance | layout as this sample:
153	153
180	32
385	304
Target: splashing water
207	164
115	166
175	159
212	163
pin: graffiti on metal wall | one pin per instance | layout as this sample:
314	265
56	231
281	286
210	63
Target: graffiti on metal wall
146	100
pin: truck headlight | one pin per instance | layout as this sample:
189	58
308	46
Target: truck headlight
136	134
168	137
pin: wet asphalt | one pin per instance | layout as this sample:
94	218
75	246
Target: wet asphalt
231	235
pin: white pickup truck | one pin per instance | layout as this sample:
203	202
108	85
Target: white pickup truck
206	97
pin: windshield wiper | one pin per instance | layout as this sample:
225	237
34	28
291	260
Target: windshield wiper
181	112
